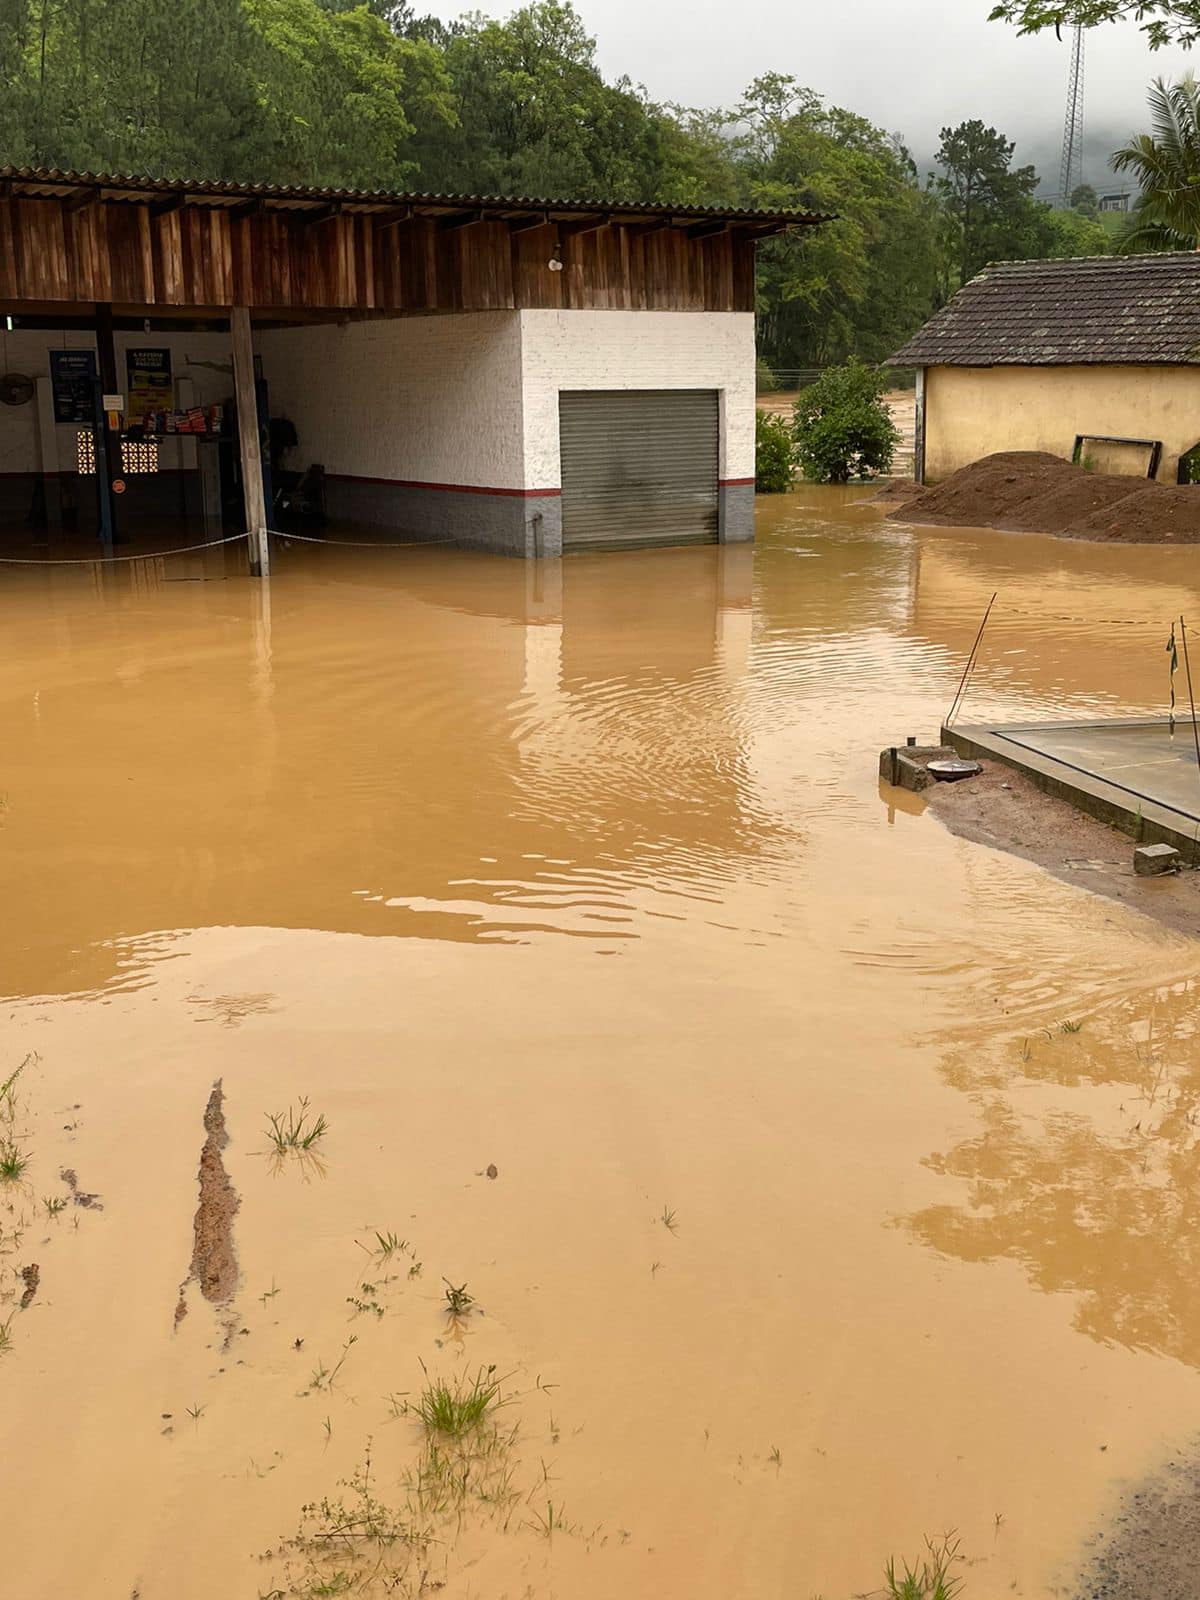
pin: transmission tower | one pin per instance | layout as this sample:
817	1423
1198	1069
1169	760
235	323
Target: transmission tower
1071	172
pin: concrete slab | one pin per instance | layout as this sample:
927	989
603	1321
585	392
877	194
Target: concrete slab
1137	774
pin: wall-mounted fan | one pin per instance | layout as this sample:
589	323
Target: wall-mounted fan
16	389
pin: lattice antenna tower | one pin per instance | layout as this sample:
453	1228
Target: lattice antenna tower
1071	171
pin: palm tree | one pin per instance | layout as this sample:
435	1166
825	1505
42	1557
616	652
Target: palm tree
1166	213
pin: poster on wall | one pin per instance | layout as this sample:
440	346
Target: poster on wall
150	388
72	376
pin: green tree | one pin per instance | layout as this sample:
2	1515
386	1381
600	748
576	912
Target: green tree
535	117
1085	200
1162	21
863	282
1072	233
1166	163
991	205
842	427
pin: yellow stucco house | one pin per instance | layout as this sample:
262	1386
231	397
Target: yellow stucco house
1097	357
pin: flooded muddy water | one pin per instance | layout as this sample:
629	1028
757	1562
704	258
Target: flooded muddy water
845	1172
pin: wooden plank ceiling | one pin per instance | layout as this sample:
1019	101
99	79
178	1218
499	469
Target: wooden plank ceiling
147	245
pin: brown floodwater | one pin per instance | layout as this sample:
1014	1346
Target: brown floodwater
812	1232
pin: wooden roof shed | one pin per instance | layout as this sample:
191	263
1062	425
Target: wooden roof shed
110	252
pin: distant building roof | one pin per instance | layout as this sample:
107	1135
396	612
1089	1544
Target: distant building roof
1101	310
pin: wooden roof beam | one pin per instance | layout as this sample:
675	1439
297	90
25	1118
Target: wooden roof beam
80	199
574	230
164	207
320	214
527	224
380	224
464	220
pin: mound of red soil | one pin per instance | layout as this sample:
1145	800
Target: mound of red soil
1031	492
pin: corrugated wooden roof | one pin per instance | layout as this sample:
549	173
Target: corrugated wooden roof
49	183
1132	310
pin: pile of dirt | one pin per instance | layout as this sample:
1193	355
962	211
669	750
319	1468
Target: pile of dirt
1029	491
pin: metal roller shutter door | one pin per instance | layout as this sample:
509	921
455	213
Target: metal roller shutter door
639	467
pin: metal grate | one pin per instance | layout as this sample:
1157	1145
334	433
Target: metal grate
137	456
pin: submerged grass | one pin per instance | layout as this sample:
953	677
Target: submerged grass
932	1578
458	1406
12	1162
295	1129
458	1301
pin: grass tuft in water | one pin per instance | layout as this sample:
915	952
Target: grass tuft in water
458	1301
668	1219
12	1163
459	1406
295	1129
932	1578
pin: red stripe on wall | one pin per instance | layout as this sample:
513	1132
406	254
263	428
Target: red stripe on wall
447	488
730	483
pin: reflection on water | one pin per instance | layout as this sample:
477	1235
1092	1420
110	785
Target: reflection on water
444	745
581	872
1094	1191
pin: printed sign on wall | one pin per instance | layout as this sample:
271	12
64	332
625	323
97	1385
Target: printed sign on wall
150	387
72	375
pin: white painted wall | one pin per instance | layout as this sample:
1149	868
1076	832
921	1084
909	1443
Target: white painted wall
472	398
410	399
28	351
636	350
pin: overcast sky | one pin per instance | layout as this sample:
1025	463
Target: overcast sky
912	66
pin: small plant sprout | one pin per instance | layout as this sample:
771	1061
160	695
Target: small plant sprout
458	1301
195	1412
5	1334
54	1203
933	1576
269	1294
324	1377
12	1163
388	1244
328	1427
295	1130
8	1089
458	1406
669	1220
1070	1027
776	1457
552	1521
655	1268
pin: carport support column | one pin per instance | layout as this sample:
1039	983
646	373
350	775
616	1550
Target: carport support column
919	429
250	441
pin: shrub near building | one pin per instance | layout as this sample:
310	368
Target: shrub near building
774	454
842	427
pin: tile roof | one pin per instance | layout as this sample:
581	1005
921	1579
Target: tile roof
1095	309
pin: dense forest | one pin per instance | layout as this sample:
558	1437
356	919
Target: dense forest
375	96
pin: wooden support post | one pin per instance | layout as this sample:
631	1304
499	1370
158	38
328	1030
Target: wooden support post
919	429
108	443
251	443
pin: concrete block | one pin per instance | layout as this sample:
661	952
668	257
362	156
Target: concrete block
1149	860
905	765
